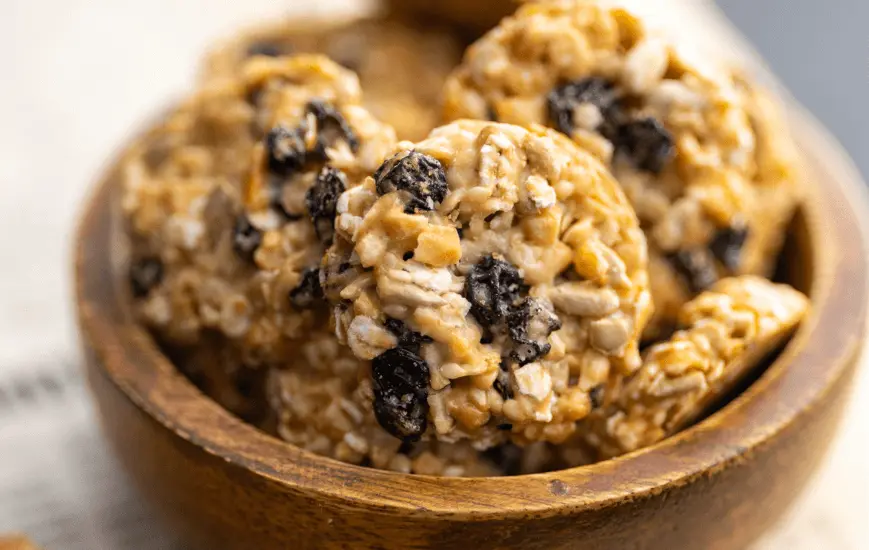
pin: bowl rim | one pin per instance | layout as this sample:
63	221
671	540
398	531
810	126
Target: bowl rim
816	357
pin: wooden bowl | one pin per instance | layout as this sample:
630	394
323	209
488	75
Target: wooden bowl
223	484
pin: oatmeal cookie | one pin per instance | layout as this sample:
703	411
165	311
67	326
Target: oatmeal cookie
728	330
229	204
701	154
494	277
323	402
401	67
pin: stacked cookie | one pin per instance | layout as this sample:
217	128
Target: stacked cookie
469	299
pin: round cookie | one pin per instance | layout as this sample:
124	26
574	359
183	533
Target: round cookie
702	156
727	330
401	67
494	277
321	403
229	204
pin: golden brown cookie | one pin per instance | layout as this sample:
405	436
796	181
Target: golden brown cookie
322	402
494	276
229	204
401	67
728	330
701	154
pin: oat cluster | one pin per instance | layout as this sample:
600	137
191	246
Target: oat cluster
697	150
518	258
723	325
469	299
218	203
401	66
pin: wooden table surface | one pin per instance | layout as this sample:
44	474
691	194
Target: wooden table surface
80	74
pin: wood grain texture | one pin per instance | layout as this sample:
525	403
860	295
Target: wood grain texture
719	484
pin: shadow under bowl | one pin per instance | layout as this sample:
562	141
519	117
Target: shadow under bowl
221	483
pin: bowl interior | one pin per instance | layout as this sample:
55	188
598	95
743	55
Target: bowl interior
794	267
824	256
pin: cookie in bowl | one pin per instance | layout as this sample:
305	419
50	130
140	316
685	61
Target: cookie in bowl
460	305
700	152
228	204
325	403
401	65
494	277
727	331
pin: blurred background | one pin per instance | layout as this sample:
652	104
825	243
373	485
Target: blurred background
78	76
820	51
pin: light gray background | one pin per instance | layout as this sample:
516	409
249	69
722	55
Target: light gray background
820	50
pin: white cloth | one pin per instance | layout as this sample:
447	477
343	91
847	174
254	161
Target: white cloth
77	77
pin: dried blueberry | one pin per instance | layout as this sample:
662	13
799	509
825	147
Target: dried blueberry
697	267
267	49
420	176
400	381
530	324
145	274
245	238
286	147
727	246
563	100
596	396
407	338
646	143
487	336
331	127
527	351
309	292
322	198
502	385
493	287
286	150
